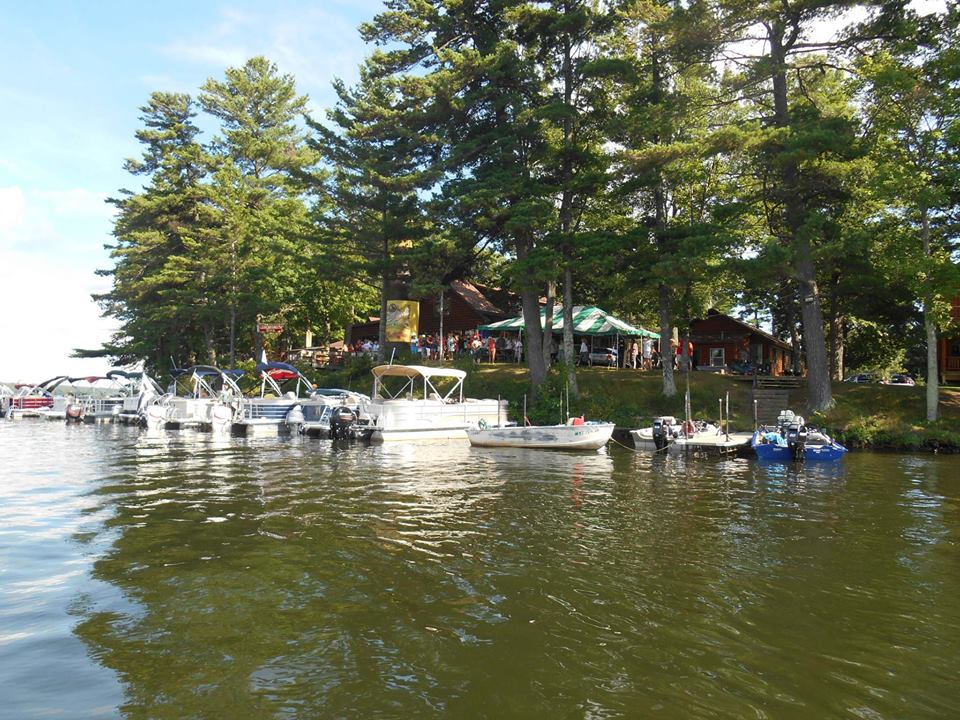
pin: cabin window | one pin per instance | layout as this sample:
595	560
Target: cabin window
717	358
955	348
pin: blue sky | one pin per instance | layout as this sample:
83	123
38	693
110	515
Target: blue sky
74	75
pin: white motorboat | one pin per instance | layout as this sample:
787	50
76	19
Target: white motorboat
665	434
276	408
201	396
576	434
665	431
415	402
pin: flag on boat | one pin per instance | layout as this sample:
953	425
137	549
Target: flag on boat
587	320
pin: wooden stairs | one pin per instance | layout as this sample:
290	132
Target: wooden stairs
773	394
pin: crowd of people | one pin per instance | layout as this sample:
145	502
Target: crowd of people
505	348
632	353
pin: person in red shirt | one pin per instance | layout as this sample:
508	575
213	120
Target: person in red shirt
492	348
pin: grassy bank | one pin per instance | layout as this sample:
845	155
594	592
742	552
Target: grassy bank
874	416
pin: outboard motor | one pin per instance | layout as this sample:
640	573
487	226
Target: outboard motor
221	419
295	418
156	417
342	420
796	436
662	432
74	412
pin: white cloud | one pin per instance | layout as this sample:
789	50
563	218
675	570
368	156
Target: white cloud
315	45
50	245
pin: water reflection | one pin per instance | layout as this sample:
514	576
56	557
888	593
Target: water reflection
230	577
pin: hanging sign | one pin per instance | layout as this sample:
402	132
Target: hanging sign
403	320
263	328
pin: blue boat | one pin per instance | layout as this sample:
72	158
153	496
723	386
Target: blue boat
793	442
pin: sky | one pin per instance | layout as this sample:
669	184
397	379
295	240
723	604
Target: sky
74	75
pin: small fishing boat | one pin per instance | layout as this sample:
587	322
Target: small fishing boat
690	436
426	403
200	396
792	441
665	431
575	434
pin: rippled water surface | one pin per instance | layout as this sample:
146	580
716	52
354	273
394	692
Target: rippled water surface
180	575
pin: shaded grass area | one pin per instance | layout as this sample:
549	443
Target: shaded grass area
891	417
865	416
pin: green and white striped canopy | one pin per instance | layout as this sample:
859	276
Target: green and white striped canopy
587	320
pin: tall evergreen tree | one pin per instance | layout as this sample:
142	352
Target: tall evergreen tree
913	109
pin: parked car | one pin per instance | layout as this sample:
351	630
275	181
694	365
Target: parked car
862	378
900	379
604	356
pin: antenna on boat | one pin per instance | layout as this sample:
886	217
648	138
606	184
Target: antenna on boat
524	409
755	425
392	353
498	411
567	386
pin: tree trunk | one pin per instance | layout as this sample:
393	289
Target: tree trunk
835	320
533	342
565	216
384	291
930	329
819	391
568	351
209	344
233	334
548	325
666	352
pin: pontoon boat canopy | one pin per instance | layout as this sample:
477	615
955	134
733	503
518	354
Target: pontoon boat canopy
415	371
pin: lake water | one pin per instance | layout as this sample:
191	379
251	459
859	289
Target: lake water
183	576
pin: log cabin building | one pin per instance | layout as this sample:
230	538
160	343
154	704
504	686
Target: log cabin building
948	349
719	340
466	306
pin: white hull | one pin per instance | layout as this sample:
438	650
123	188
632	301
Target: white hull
453	433
406	420
710	442
553	437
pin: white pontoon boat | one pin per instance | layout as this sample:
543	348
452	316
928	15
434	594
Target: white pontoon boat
414	402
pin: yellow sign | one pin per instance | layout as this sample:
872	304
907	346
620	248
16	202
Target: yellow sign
403	320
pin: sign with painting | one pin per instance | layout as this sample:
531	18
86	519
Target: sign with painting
403	320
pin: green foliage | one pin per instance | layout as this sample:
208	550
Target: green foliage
640	150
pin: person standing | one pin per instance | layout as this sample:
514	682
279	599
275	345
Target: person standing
634	352
647	354
492	349
584	352
518	349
